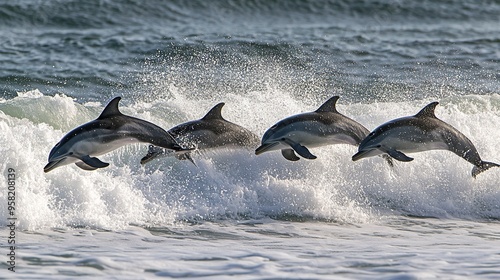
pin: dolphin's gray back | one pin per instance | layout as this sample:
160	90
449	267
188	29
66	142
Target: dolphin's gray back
142	130
115	128
78	134
125	126
430	129
211	133
348	126
333	123
457	142
109	131
328	113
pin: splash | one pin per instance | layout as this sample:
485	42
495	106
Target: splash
236	184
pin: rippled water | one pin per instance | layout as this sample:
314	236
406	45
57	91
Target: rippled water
236	214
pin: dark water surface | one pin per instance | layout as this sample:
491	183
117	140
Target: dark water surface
368	50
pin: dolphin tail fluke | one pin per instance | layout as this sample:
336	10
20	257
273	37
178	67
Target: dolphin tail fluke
155	152
186	156
483	166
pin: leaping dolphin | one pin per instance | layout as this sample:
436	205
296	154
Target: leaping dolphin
421	132
109	131
325	126
210	132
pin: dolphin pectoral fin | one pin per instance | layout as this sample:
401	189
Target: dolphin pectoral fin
299	149
94	162
51	165
397	155
388	156
483	166
85	166
289	154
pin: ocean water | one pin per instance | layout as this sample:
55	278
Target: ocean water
237	215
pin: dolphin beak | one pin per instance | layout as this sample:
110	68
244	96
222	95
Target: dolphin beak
52	165
265	147
154	152
361	154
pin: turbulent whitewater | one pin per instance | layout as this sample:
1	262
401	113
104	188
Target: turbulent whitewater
236	214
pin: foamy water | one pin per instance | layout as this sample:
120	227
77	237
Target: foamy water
236	183
237	215
229	215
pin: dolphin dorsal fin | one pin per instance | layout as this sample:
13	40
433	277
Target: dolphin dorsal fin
329	105
214	113
111	109
427	111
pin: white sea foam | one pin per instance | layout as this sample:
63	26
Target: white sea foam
235	184
401	248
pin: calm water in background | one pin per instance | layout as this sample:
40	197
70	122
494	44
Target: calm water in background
238	215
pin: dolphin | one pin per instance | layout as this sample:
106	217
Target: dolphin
421	132
325	126
109	131
210	132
